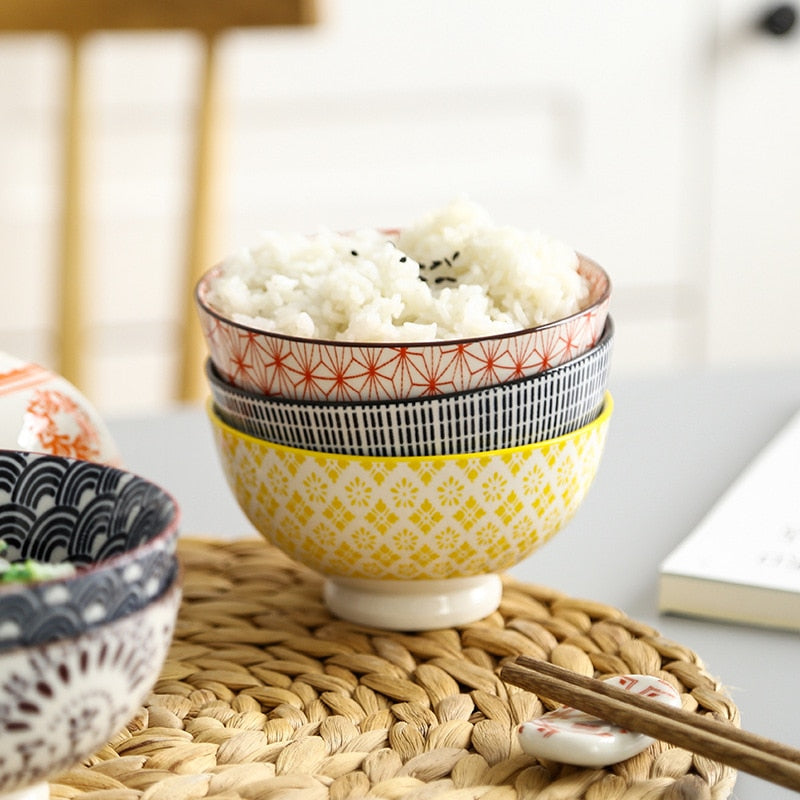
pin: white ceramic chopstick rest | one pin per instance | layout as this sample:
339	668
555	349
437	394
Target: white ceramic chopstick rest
574	737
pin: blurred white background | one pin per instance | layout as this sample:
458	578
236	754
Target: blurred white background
661	139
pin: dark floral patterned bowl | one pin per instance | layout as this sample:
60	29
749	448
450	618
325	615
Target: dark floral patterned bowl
118	530
61	701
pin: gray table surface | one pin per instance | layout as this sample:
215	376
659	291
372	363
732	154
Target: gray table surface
675	444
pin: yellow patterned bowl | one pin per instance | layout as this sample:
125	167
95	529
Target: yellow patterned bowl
416	542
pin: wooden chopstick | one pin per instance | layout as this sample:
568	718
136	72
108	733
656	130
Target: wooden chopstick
703	735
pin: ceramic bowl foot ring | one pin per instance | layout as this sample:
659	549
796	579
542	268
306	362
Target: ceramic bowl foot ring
413	605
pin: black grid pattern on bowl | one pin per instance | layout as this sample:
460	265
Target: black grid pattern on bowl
513	414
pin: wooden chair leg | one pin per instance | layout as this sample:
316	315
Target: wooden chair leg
70	288
203	223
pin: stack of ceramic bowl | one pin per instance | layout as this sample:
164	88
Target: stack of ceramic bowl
79	650
410	474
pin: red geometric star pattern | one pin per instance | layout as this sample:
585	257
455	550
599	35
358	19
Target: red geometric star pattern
295	368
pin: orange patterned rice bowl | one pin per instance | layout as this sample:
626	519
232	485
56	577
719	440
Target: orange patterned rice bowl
279	365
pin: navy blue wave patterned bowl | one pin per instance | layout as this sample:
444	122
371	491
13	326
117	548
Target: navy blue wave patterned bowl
515	413
119	531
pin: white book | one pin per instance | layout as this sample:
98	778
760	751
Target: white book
742	562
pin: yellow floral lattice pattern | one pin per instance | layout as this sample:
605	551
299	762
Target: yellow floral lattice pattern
410	518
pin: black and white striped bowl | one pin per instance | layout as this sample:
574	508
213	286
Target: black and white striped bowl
521	412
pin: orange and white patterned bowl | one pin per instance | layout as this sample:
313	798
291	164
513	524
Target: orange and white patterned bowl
276	365
42	412
414	542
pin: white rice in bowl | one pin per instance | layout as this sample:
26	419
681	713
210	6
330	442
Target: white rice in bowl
452	274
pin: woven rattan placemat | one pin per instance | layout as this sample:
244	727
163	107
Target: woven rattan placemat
266	696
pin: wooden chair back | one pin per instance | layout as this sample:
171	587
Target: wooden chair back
77	19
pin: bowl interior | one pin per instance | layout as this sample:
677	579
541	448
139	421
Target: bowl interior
55	509
598	280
